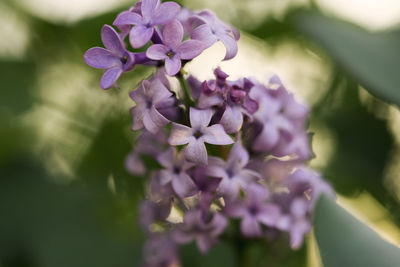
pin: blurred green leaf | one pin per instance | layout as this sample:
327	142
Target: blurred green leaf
372	58
345	241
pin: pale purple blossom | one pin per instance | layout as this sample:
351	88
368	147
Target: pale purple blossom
198	134
203	230
175	172
115	59
173	50
148	97
213	30
254	210
153	13
233	173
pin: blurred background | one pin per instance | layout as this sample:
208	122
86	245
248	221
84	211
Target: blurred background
65	197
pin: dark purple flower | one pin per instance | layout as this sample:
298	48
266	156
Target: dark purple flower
213	30
207	186
233	173
173	50
197	135
254	210
175	173
148	97
152	14
115	59
203	230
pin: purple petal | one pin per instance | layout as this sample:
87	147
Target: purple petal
158	91
110	77
238	155
140	35
218	223
206	101
112	41
232	119
299	208
165	176
250	227
267	139
297	233
165	13
183	185
229	188
215	134
166	158
180	135
196	152
284	223
101	58
137	116
269	215
230	45
138	94
172	65
153	121
128	18
235	209
215	171
182	237
204	34
148	7
256	193
200	118
173	34
134	165
190	49
204	243
157	52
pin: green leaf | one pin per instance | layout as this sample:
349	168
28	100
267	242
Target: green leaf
345	241
372	58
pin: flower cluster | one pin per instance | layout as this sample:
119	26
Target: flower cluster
223	150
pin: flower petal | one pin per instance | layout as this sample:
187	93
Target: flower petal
165	13
172	65
158	91
137	115
297	233
200	118
190	49
250	227
267	139
229	188
232	119
204	243
128	18
235	209
180	135
153	121
101	58
173	34
215	134
204	34
230	45
157	52
269	215
256	193
110	77
166	158
112	41
238	156
183	185
140	35
148	7
196	152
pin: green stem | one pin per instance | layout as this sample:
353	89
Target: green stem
188	101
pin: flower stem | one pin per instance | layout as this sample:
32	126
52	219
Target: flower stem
188	100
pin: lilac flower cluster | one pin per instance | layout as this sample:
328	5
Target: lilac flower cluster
175	35
223	150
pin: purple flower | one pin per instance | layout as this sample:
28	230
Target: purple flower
205	232
207	187
148	97
213	30
115	59
254	210
197	135
152	14
173	50
233	173
175	173
160	251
